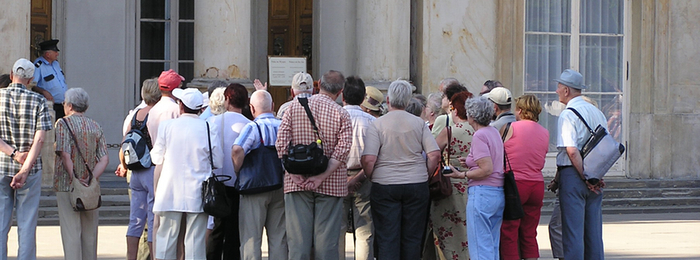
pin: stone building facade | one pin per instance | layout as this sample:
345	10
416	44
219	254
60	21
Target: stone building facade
638	57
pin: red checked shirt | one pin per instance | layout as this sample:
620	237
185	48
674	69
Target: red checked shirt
335	130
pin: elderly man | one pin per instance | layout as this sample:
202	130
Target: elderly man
24	121
501	99
183	151
302	87
265	209
49	77
313	205
358	184
580	200
490	85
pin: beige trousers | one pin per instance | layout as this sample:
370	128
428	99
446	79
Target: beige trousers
262	210
167	234
78	230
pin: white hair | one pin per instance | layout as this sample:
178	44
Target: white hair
78	98
217	100
261	100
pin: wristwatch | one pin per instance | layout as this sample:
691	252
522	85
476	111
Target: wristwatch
12	155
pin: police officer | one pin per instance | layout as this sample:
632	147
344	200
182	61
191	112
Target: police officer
49	77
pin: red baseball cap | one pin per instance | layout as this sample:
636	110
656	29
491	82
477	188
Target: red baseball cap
169	80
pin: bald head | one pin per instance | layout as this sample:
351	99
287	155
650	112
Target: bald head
261	100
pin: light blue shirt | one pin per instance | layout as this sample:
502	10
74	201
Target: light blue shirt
250	138
50	77
572	131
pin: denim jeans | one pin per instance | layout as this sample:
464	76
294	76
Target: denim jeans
581	216
26	200
484	218
400	215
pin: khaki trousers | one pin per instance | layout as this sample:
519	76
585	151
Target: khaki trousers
167	234
258	211
78	229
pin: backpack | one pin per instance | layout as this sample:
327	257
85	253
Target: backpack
137	147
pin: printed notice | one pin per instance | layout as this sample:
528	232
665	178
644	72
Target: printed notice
282	69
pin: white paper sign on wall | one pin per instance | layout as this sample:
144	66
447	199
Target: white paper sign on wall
282	69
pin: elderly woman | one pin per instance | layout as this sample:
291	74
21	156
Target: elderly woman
78	228
228	123
393	160
141	181
433	108
447	216
484	174
526	145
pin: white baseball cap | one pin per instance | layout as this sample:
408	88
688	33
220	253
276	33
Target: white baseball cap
500	96
302	81
23	68
190	97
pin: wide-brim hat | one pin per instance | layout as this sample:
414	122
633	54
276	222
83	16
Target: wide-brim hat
571	78
373	99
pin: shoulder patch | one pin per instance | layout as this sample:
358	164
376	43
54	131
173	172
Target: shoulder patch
38	63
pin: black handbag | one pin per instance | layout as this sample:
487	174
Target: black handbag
215	201
514	208
261	170
307	160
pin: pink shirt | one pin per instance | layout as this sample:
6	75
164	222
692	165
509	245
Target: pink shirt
526	150
487	142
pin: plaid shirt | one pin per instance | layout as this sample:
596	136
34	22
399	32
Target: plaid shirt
22	113
335	130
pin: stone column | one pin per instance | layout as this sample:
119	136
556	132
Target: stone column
382	43
14	29
223	36
334	36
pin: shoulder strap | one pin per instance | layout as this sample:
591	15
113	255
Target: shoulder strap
505	155
80	153
580	117
262	141
211	159
305	103
449	138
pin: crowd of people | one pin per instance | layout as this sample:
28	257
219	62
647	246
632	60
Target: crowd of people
380	149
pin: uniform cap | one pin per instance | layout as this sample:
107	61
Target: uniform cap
50	45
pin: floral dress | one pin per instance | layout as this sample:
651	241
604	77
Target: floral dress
448	216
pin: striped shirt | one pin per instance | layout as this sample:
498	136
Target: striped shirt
91	142
249	138
335	130
22	113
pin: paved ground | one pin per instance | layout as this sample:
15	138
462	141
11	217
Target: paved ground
672	236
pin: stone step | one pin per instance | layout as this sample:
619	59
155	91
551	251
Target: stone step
643	193
623	183
547	210
669	202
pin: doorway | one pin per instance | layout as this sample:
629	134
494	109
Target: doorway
289	34
40	28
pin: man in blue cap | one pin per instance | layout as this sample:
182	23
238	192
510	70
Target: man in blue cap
49	76
580	201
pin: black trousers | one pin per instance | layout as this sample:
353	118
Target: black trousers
58	107
224	239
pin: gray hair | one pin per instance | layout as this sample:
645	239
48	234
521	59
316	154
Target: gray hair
399	94
261	100
480	109
217	100
78	98
150	92
415	107
332	81
447	81
435	103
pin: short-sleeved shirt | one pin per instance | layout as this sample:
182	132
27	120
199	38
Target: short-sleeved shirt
361	120
487	142
22	113
572	131
335	130
165	109
398	139
50	77
526	150
285	105
250	138
439	124
228	125
503	119
92	145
